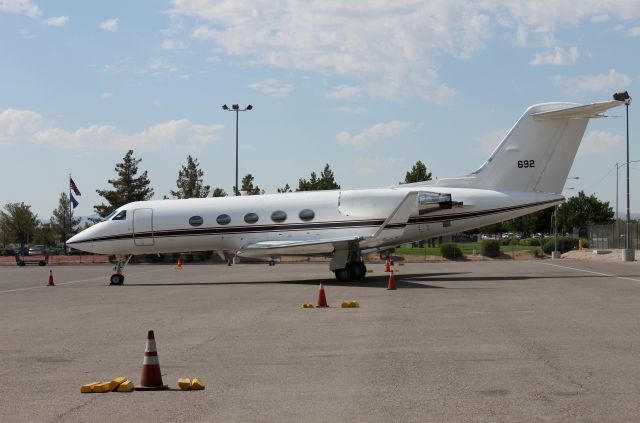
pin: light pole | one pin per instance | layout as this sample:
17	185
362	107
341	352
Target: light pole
555	254
618	166
237	109
628	253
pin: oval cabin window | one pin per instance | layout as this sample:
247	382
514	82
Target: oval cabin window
251	218
223	219
196	221
307	215
278	216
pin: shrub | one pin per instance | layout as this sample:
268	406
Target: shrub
532	242
564	244
585	243
450	251
490	248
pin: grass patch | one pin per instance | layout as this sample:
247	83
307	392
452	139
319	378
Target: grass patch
466	247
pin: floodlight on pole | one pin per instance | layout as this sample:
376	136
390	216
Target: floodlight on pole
236	108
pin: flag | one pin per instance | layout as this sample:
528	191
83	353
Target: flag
73	187
74	201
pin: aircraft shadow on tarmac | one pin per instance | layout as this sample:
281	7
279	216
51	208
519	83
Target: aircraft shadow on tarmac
402	282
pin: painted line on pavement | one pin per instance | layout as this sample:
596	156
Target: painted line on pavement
72	282
592	272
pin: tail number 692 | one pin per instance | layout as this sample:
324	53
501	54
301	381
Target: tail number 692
526	163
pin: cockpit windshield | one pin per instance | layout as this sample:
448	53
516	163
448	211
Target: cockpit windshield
110	215
120	216
115	215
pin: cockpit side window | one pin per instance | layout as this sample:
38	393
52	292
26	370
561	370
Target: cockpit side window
120	216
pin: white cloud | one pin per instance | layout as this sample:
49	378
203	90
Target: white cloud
27	126
26	34
600	142
106	95
368	136
356	110
57	21
634	32
173	45
111	25
16	125
600	18
611	81
272	87
390	49
344	92
557	57
20	7
160	66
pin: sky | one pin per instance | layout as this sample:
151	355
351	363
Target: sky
367	87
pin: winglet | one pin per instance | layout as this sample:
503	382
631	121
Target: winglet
395	224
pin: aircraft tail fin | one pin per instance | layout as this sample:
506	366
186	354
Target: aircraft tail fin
537	153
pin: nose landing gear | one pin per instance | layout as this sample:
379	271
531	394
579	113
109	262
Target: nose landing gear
118	278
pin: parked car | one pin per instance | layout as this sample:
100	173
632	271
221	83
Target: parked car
20	250
36	250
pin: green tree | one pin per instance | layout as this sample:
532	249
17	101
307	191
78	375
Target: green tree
190	181
247	185
19	222
127	187
539	221
44	235
418	173
581	210
62	222
284	189
326	181
219	192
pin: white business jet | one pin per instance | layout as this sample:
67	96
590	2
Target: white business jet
524	174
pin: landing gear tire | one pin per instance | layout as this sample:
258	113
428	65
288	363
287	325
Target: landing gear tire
360	270
345	274
117	279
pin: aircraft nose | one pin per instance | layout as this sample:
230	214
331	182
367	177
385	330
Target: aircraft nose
76	239
80	241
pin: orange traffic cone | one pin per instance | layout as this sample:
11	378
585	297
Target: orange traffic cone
392	281
179	265
322	299
151	379
51	279
387	266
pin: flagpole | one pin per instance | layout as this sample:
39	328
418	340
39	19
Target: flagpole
65	223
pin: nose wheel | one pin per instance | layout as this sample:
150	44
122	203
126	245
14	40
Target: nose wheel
117	279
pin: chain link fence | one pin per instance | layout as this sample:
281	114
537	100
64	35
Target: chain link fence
612	235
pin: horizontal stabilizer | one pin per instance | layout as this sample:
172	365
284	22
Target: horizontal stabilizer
586	111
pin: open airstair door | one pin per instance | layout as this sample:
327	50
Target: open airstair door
143	227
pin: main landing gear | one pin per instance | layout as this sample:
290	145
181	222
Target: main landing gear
354	270
118	278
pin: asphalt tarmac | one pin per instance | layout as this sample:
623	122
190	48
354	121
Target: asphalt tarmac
456	342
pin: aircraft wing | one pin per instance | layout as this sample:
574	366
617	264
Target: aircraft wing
306	247
393	227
